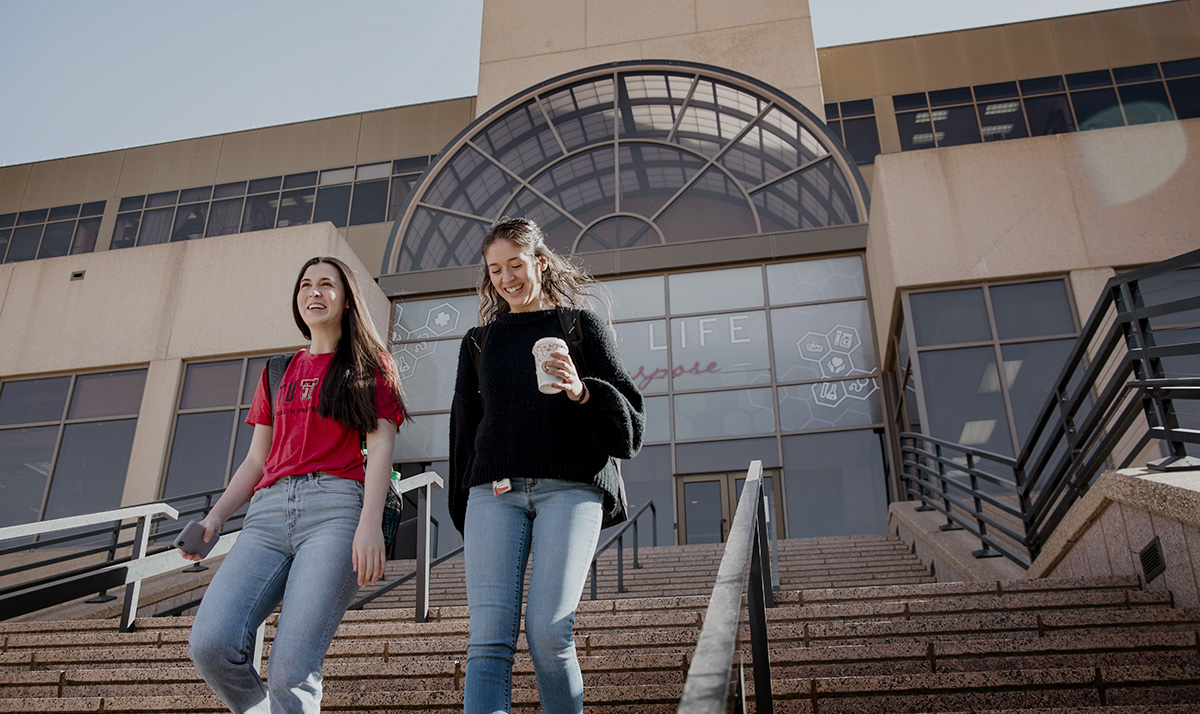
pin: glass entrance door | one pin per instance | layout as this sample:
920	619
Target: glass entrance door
707	503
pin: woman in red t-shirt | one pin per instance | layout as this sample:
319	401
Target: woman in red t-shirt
316	509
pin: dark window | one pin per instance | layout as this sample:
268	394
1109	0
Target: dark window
993	92
1002	120
56	240
862	139
904	102
858	108
1032	309
86	233
27	218
125	231
156	226
949	97
916	130
260	212
296	207
229	190
401	188
1097	109
1145	103
225	217
157	200
133	203
24	244
5	237
1048	115
8	220
370	202
956	126
265	185
1185	94
1041	85
1089	80
189	222
1181	68
949	317
300	180
831	111
1140	73
95	208
62	213
333	205
194	195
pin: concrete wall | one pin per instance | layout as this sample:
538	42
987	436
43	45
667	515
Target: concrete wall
1071	203
159	307
526	42
1104	533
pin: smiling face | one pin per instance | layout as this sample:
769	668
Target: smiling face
321	297
516	275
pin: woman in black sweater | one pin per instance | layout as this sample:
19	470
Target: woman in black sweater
530	472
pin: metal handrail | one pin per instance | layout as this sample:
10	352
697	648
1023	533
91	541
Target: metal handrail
706	689
1112	376
619	538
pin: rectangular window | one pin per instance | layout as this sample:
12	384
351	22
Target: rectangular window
370	202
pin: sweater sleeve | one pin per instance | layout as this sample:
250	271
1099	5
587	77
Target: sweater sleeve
465	413
615	412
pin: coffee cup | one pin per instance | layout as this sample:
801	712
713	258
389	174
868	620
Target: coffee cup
542	350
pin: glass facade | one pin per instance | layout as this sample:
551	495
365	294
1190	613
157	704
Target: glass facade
734	362
50	232
65	443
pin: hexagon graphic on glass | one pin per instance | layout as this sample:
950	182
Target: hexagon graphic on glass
834	351
442	319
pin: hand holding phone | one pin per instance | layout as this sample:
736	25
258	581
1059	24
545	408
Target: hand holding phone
191	540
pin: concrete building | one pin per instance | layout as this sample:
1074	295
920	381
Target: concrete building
806	250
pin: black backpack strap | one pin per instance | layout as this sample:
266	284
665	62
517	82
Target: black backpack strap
276	366
478	340
568	320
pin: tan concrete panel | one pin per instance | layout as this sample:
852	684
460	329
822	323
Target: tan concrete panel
1174	30
500	80
237	157
1125	38
13	180
611	22
522	28
419	130
897	66
1031	46
119	314
810	96
377	139
885	124
721	14
986	56
942	61
103	176
1078	43
841	77
279	151
341	141
156	418
368	243
200	160
1136	190
53	183
137	171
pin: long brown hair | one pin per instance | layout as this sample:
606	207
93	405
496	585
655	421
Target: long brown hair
348	390
563	283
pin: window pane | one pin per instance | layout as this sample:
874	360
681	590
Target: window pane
241	446
27	218
89	475
33	400
1032	309
300	180
424	439
1029	372
333	205
333	176
370	202
24	244
439	317
636	297
831	341
815	280
1185	93
229	190
427	371
189	222
732	455
720	351
25	456
125	232
199	453
1145	103
211	384
1002	120
658	420
949	317
56	240
156	226
86	233
721	414
133	203
95	208
948	97
167	198
401	188
862	139
265	185
824	405
1049	115
1088	80
254	371
962	394
643	347
108	394
1042	85
260	212
195	195
373	171
1097	109
916	130
956	126
646	479
904	102
225	218
296	207
5	236
62	213
835	484
715	290
702	511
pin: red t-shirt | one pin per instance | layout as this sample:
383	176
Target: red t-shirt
301	440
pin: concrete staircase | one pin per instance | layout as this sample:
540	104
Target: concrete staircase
859	627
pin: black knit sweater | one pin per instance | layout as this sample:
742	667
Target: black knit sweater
501	426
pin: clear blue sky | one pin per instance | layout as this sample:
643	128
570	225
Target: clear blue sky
81	76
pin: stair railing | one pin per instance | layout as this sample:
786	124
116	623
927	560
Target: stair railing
618	537
1116	394
706	689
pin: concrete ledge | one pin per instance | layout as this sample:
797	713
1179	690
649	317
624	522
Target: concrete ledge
947	553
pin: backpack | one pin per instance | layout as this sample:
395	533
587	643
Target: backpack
568	319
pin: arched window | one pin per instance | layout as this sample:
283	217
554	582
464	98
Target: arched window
629	155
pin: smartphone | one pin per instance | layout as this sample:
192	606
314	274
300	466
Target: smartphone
191	540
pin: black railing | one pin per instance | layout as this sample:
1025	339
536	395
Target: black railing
1135	361
706	689
618	537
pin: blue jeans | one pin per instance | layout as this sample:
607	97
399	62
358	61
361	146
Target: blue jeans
295	546
560	522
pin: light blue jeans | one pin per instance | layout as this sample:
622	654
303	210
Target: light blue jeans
295	546
559	521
